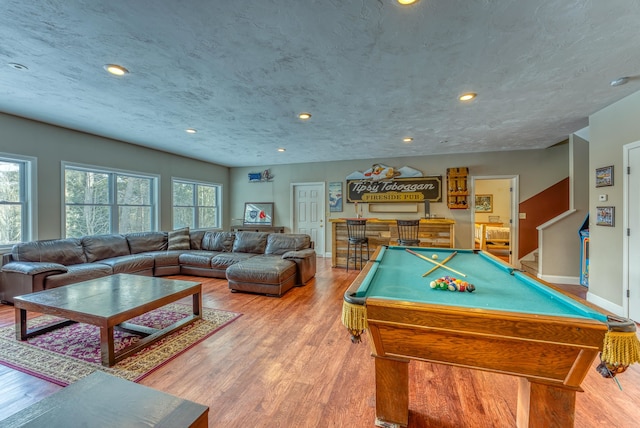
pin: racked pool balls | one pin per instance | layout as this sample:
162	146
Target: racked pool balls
452	284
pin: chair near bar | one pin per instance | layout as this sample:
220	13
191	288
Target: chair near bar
408	233
357	238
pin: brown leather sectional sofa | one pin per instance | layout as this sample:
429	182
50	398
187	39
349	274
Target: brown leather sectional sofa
267	263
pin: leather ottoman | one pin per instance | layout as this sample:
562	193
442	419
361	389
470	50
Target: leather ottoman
270	275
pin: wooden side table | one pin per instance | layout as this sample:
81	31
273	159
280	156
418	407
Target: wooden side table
104	401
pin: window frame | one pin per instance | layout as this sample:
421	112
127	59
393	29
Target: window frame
195	183
113	205
29	194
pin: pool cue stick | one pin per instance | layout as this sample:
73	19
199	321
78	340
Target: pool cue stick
434	262
452	255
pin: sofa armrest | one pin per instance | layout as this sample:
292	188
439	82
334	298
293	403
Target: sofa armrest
300	254
305	261
6	258
18	278
34	268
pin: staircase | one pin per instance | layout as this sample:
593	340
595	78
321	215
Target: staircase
531	266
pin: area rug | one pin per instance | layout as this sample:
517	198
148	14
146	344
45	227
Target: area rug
73	352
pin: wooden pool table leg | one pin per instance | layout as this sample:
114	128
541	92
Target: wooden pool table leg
392	390
541	405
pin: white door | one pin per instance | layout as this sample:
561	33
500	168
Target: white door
633	227
308	212
506	189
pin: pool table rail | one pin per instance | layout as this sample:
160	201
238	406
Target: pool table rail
487	340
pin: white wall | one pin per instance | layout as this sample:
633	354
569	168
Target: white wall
560	251
609	129
499	189
538	169
52	145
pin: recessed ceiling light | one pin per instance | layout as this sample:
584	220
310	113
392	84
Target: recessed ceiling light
619	81
282	150
407	139
190	131
468	96
18	66
116	70
407	2
304	116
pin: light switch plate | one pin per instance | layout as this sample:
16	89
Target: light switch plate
602	198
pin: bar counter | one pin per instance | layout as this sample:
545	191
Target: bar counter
433	233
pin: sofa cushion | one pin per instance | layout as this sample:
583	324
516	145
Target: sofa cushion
197	258
64	251
224	260
250	242
218	241
129	264
263	270
179	239
280	243
77	273
142	242
166	258
100	247
195	237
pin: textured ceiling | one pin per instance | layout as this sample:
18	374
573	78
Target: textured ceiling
369	71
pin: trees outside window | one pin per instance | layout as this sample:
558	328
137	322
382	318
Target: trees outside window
195	205
15	186
100	202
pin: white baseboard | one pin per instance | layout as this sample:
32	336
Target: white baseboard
556	279
605	304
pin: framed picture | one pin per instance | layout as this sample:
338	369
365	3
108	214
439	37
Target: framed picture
484	203
335	196
604	176
260	213
605	216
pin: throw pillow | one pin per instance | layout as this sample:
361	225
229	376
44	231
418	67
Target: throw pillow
179	239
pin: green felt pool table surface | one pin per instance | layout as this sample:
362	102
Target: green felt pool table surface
512	324
397	274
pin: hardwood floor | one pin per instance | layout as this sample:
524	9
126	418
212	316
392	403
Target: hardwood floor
288	362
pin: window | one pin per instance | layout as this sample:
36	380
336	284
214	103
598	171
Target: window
103	201
16	191
195	205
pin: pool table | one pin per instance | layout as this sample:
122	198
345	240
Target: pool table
512	324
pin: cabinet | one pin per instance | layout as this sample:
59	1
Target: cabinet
457	188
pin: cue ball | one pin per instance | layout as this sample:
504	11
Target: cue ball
434	257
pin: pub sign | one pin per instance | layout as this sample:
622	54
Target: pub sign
396	190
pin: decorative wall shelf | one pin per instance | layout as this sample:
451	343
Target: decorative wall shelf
457	188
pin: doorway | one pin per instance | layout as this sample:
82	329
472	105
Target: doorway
307	206
498	213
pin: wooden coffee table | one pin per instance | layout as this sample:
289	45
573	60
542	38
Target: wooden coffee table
108	303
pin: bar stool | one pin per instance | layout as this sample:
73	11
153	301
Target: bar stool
357	237
408	232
